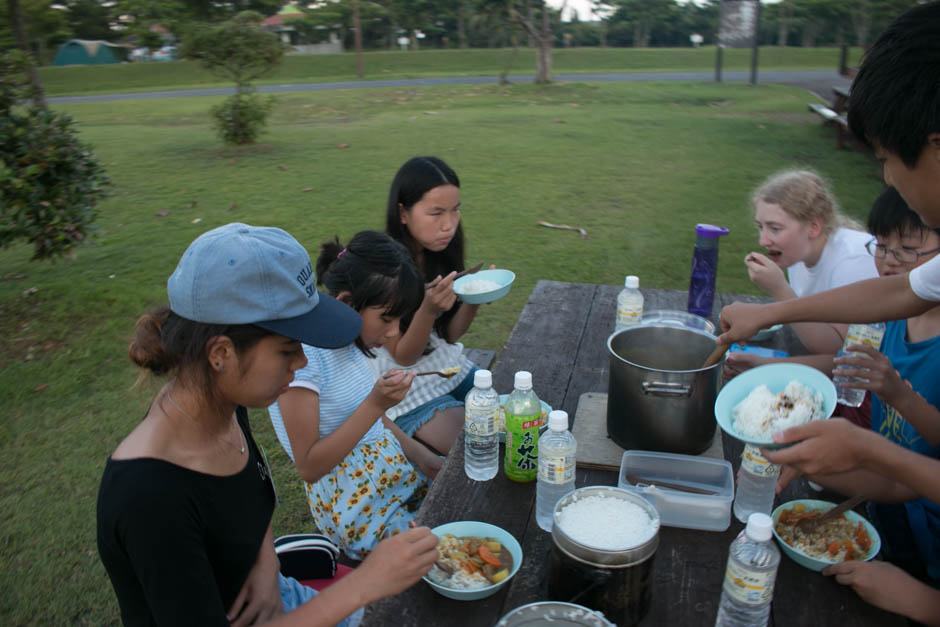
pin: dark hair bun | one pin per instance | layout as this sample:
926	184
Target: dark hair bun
147	349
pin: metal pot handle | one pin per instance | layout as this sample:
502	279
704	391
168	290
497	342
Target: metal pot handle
662	388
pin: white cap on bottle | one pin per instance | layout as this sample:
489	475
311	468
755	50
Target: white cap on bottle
558	420
759	527
632	282
523	380
482	379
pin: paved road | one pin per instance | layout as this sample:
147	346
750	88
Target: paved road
817	81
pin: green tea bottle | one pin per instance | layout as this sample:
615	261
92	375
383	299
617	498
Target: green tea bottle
523	419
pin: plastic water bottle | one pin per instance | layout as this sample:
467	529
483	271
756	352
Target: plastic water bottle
860	333
557	456
750	575
523	419
629	304
756	483
481	440
704	269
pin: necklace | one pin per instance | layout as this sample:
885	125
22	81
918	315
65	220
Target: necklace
241	449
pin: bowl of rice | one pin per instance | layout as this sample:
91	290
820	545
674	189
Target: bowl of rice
763	400
484	286
458	583
846	537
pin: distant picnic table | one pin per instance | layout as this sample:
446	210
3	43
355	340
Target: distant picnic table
560	337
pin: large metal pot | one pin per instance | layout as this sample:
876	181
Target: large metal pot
658	396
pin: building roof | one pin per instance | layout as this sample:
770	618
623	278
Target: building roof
288	12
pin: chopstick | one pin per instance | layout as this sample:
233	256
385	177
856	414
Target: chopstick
634	479
472	270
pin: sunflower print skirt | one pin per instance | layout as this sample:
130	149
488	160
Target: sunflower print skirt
370	495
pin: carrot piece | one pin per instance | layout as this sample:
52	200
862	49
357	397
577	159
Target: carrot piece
833	547
488	556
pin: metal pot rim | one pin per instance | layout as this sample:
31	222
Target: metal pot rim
598	557
613	353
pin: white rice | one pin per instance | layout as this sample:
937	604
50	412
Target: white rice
478	286
763	413
606	523
460	580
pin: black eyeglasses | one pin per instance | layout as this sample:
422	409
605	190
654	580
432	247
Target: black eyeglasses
903	255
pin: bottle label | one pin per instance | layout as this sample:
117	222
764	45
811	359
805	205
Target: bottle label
630	317
522	446
756	464
746	586
864	334
558	470
480	421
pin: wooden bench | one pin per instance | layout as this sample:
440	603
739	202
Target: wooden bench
840	99
833	118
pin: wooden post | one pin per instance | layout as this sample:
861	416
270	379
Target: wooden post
357	37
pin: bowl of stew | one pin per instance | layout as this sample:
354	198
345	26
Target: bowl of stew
477	559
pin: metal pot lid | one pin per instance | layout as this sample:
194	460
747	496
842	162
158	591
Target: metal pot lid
618	558
557	612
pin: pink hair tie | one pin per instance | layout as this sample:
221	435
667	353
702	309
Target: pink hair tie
340	253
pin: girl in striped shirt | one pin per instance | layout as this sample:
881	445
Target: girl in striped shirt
363	476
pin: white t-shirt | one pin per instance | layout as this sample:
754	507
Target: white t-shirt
342	378
925	279
844	260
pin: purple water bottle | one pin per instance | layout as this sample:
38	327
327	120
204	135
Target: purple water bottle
704	269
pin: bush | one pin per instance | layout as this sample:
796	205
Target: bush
50	182
242	117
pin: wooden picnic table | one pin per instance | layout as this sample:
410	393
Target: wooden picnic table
560	338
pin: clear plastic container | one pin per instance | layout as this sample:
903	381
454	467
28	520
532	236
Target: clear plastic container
711	512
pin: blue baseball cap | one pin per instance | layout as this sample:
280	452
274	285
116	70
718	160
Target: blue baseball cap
261	275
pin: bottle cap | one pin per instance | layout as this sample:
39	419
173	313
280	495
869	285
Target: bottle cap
759	527
482	379
632	282
523	380
710	230
558	420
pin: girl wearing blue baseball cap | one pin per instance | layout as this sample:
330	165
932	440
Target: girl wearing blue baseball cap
363	476
185	502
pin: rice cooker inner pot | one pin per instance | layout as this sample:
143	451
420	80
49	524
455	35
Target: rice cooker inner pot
617	583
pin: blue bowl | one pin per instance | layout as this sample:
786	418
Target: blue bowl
502	278
481	530
776	377
814	563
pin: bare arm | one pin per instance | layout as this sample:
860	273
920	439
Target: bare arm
886	586
394	565
871	485
314	457
837	446
817	337
461	322
873	300
439	297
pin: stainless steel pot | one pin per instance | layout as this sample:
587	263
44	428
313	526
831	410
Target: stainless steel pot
554	613
658	396
615	582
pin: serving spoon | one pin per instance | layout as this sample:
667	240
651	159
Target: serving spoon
807	525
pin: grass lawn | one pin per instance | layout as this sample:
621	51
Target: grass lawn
636	165
67	81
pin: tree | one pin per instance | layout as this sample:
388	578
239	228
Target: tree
50	182
241	51
89	19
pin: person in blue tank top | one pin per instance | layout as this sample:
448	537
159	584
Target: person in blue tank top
901	377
